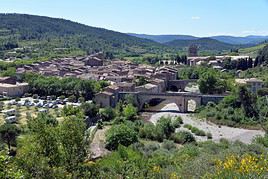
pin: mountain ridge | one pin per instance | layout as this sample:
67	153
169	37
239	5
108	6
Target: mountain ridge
235	40
42	30
204	44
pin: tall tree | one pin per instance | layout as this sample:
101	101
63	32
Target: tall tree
248	102
9	133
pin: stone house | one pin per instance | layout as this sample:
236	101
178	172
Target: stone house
105	99
14	90
253	84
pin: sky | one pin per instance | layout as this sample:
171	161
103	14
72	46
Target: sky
188	17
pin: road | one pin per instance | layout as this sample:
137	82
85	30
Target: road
229	133
97	146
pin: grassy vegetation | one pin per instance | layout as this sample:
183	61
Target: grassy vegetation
252	51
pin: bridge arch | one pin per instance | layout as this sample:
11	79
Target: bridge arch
180	84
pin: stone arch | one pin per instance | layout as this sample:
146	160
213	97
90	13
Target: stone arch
192	104
174	88
161	63
152	102
179	101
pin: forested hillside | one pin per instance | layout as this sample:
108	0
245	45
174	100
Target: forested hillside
263	55
164	38
203	44
42	36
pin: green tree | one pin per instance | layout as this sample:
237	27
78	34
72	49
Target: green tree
72	132
248	102
107	114
130	112
120	134
90	109
8	134
8	168
209	83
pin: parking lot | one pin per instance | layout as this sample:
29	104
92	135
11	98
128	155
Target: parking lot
41	103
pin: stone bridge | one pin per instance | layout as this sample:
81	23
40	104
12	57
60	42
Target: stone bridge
181	99
179	85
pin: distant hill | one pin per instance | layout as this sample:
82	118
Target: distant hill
263	54
46	34
252	51
241	40
203	44
249	40
164	38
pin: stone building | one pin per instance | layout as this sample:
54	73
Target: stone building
253	84
105	99
13	90
193	51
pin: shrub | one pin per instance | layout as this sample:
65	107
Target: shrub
165	124
120	134
148	131
183	137
169	145
130	112
107	114
200	133
81	99
209	135
188	126
262	92
194	130
62	97
100	124
72	99
177	122
35	96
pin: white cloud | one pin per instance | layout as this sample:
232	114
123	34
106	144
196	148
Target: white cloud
255	32
196	18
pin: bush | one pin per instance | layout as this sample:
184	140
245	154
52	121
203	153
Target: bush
35	96
183	137
90	109
107	114
169	145
177	122
200	133
119	120
130	112
165	125
120	135
62	97
209	135
188	126
72	99
148	131
263	92
194	130
81	99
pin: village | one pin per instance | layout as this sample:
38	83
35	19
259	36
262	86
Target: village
144	82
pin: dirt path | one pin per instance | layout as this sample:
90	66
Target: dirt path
97	146
229	133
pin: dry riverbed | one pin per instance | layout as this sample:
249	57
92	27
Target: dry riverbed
229	133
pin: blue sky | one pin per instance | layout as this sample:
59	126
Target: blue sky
192	17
